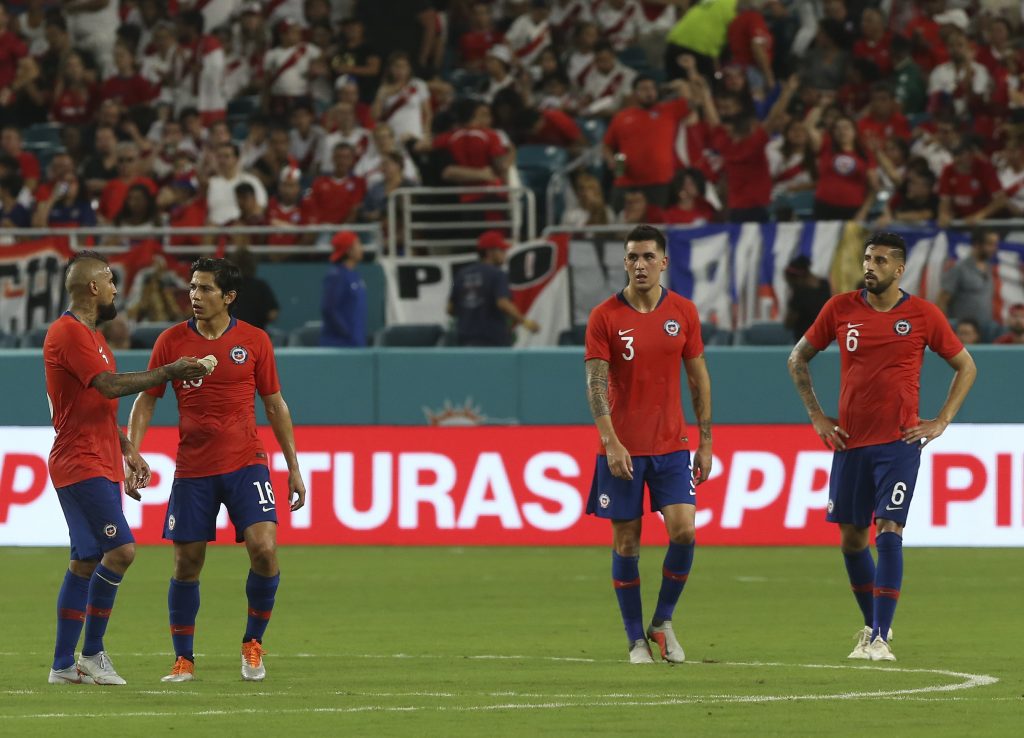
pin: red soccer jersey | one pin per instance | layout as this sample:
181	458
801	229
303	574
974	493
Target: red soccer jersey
472	147
748	28
645	352
216	415
880	361
130	91
842	176
646	137
969	191
29	165
876	52
116	190
278	214
746	168
895	126
331	200
87	444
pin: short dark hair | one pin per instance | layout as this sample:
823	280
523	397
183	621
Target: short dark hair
12	183
226	275
893	241
244	188
646	233
643	78
969	321
194	20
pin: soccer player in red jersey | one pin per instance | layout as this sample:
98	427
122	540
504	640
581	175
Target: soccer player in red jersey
638	342
82	387
882	332
221	460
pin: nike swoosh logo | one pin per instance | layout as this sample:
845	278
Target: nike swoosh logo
898	507
692	493
267	509
628	330
853	325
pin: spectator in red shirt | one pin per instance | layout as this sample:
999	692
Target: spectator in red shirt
636	210
750	43
1000	55
74	97
741	141
128	174
1015	326
126	84
689	204
639	142
550	128
875	41
791	161
478	154
184	209
10	143
969	187
475	43
883	118
12	48
847	174
925	35
285	208
335	198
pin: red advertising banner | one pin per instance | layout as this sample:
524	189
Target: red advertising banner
528	486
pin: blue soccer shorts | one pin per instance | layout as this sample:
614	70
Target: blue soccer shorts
195	501
873	482
96	524
668	477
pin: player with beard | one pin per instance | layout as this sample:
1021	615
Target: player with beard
882	332
82	387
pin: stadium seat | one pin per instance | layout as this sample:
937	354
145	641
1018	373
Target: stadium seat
8	341
575	336
635	58
144	335
544	158
712	335
278	337
240	129
43	133
413	334
240	107
307	335
593	129
34	338
765	333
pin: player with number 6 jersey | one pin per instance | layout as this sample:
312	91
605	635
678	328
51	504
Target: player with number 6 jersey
882	332
221	459
638	342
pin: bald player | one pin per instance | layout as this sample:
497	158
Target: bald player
85	463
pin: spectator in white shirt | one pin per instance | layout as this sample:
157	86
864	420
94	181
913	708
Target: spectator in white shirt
221	204
287	70
93	26
403	101
342	118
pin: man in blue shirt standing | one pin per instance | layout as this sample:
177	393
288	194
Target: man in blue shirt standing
481	300
343	304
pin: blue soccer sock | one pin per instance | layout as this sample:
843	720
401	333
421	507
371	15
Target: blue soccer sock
860	567
182	607
674	572
71	604
626	580
260	591
102	591
888	579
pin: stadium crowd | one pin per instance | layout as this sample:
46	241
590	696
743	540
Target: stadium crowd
289	112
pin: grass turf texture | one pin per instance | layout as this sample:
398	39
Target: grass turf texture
528	641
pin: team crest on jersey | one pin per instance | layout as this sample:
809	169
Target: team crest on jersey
604	501
110	530
902	327
672	327
170	522
239	355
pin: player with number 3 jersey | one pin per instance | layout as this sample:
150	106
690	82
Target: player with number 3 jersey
638	342
882	332
221	459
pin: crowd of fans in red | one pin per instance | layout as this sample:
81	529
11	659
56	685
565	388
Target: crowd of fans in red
290	112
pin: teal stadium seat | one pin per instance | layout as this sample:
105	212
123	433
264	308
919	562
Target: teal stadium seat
418	335
765	333
34	338
307	335
712	335
278	337
575	336
593	129
42	133
635	57
144	335
536	164
8	341
241	107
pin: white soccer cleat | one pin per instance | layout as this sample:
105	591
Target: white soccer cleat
252	662
640	652
69	675
665	637
878	650
182	671
100	669
860	651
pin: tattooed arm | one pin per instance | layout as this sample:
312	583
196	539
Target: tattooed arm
112	385
827	428
700	390
619	462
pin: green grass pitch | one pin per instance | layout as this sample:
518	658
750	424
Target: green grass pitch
528	642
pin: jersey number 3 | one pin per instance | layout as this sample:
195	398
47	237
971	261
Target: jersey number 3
629	353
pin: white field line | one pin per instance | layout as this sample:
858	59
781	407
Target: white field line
619	700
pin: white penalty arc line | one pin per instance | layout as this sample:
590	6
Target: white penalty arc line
968	681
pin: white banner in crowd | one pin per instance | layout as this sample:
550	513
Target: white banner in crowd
419	287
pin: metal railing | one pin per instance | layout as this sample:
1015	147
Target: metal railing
435	219
118	239
561	182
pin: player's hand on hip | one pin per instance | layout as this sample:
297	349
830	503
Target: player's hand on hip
831	433
296	489
619	462
701	465
187	367
925	432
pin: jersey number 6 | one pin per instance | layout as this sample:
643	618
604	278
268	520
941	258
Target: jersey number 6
852	336
630	353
